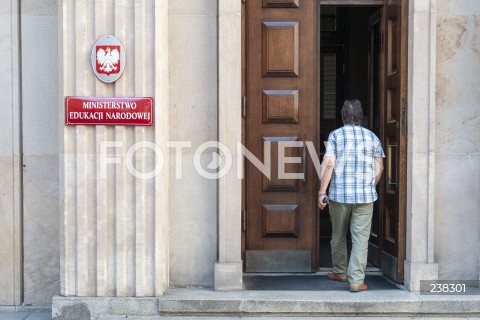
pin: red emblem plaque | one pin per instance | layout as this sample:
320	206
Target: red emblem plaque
109	111
108	59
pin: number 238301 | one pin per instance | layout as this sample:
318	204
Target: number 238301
447	287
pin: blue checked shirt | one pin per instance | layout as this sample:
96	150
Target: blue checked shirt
354	149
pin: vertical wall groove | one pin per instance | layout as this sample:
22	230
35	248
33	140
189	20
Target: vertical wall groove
161	91
140	160
110	231
150	271
120	281
105	195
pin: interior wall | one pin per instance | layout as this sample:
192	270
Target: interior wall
193	118
357	72
457	191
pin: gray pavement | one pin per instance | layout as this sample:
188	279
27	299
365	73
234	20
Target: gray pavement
11	315
47	315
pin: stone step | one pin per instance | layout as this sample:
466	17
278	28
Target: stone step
208	304
276	318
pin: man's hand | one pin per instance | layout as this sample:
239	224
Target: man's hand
322	205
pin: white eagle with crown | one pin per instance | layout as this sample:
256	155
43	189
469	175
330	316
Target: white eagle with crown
108	59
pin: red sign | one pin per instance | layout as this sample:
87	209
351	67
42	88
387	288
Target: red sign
109	111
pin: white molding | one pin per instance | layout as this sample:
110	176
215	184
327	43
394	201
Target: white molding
229	133
420	237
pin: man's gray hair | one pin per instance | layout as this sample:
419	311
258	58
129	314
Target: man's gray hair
352	112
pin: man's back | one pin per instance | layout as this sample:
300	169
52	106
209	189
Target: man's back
353	154
354	149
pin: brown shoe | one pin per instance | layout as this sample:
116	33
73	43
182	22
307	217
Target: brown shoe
334	277
359	288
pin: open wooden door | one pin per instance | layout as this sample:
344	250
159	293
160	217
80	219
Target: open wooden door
281	109
394	139
387	105
375	123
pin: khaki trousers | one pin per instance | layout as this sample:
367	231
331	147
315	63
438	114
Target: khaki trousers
359	217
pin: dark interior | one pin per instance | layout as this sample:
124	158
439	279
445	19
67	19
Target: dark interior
346	38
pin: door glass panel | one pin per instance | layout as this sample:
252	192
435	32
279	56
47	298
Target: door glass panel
392	165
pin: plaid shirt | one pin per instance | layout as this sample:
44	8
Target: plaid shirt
354	149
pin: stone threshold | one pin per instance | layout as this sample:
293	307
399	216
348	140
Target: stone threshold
209	303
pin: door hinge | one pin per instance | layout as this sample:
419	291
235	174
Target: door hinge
404	106
244	1
244	220
244	106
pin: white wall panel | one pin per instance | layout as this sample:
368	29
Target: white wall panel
113	229
10	158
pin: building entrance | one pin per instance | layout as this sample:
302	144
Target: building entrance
302	60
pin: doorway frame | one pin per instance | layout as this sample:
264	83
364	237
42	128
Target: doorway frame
419	262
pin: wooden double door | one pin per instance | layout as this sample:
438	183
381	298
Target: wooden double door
282	128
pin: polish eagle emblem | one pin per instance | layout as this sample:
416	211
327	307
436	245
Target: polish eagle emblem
108	59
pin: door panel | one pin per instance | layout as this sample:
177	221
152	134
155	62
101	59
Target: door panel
281	91
394	138
280	49
280	106
281	3
275	183
280	220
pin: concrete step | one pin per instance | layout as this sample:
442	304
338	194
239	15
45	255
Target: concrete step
277	318
208	304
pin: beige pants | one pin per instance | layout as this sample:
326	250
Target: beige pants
359	217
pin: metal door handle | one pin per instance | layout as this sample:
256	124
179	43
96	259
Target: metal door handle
304	162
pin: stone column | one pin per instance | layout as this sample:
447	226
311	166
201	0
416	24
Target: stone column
420	264
40	144
10	157
114	227
228	270
457	149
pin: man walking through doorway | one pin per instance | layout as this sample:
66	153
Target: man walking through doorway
354	163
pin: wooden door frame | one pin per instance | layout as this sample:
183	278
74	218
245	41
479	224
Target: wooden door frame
356	3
